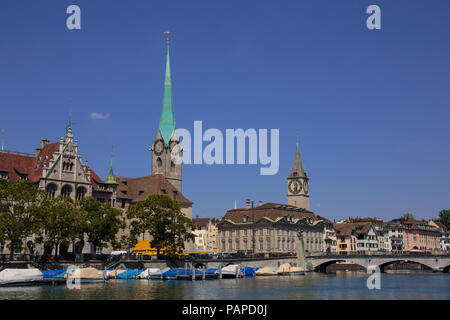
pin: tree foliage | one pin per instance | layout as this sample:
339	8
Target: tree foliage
162	219
444	217
19	205
102	222
407	216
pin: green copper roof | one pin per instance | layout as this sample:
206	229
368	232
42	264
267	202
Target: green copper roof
167	120
111	178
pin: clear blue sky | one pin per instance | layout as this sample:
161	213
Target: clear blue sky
371	108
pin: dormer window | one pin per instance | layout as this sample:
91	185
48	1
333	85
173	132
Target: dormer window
39	159
23	177
245	218
124	182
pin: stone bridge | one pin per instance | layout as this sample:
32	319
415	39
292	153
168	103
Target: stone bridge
435	262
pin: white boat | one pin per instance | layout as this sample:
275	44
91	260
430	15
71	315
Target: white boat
20	277
230	271
152	273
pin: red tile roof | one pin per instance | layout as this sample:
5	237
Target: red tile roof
138	189
15	164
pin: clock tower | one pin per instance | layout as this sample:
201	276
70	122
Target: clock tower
297	184
166	149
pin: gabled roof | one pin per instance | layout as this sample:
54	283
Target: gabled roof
138	189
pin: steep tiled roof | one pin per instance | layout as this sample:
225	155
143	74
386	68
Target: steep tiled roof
138	189
271	211
15	164
201	222
346	229
43	159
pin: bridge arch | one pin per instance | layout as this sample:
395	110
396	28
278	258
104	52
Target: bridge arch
323	266
382	266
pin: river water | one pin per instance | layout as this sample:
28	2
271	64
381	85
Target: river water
341	285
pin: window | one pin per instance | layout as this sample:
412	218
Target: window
123	203
175	195
159	164
172	167
3	174
81	192
66	191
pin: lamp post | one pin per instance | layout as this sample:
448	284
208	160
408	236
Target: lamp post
253	230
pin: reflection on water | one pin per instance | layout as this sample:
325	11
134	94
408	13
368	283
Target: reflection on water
341	285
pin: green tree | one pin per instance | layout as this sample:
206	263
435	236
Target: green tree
56	223
162	218
407	216
19	203
102	222
444	218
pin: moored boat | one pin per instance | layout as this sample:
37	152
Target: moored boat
230	271
20	277
266	271
86	275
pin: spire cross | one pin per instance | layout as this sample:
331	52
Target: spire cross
167	33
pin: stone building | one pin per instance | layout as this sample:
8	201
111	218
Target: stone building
269	228
58	168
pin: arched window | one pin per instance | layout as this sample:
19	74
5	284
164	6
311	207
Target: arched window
51	189
172	166
66	191
71	166
159	164
64	165
81	192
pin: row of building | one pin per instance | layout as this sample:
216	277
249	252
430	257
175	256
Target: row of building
59	169
274	228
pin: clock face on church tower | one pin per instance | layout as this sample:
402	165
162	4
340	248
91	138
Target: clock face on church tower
305	186
295	186
159	146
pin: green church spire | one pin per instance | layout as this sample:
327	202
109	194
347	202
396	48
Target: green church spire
111	178
167	120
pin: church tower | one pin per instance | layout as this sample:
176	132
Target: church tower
297	184
166	149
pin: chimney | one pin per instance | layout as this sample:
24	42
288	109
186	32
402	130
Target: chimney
45	142
247	203
38	150
259	203
196	217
